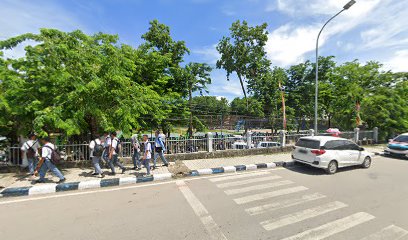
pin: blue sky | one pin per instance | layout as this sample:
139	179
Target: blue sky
370	30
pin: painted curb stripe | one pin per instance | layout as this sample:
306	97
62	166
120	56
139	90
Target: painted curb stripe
13	192
251	167
205	171
217	170
144	179
194	173
127	180
229	169
110	182
89	184
161	176
67	186
271	165
240	168
42	189
261	165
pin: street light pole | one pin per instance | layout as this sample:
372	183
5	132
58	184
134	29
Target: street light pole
347	6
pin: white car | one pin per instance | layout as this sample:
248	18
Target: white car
330	153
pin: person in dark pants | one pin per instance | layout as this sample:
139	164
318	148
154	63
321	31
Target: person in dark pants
30	149
147	153
114	154
159	150
136	152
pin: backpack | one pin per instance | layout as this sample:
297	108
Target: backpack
30	151
118	148
55	155
98	150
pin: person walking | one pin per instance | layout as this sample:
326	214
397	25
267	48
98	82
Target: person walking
136	152
147	154
47	152
107	141
96	148
30	149
114	150
159	150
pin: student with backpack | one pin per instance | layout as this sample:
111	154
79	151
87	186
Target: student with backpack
136	152
114	150
30	149
107	141
159	150
147	153
97	149
49	157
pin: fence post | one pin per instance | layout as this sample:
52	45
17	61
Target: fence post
209	142
249	139
311	132
356	135
375	135
282	134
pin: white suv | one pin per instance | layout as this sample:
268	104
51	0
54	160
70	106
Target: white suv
330	153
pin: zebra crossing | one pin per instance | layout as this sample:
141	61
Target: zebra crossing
282	204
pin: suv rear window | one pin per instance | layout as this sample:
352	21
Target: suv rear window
308	143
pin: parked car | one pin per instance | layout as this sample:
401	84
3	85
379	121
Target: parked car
398	146
330	153
268	144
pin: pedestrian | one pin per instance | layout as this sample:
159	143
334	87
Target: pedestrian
136	152
114	151
147	153
107	141
97	150
30	149
159	150
48	150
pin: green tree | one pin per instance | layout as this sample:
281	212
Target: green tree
74	83
238	106
198	77
244	53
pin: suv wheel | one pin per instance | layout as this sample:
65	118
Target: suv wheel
367	162
332	167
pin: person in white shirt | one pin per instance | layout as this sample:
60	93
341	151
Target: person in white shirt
113	154
97	149
147	154
107	142
159	149
46	154
30	149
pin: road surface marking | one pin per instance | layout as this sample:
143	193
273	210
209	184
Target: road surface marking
284	204
113	189
390	232
248	181
257	187
334	227
238	176
266	195
212	228
302	215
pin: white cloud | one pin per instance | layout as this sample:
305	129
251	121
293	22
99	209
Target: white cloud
399	62
376	25
208	54
221	87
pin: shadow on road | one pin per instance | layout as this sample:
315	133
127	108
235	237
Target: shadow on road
309	170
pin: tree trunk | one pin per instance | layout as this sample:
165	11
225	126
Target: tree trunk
190	100
246	99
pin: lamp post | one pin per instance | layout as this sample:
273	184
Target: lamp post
347	6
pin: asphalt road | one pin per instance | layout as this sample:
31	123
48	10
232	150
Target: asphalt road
295	203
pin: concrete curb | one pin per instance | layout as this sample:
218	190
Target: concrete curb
100	183
70	186
238	168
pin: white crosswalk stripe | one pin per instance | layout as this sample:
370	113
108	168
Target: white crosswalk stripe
261	196
302	215
390	232
334	227
248	181
284	204
238	176
257	187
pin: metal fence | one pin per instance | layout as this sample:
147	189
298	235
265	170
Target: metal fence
80	151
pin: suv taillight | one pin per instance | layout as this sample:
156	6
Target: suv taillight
318	152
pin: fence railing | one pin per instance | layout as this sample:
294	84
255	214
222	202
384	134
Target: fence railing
80	151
